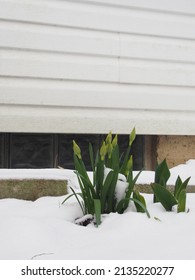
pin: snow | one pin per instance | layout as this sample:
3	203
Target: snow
183	170
146	177
53	174
45	229
121	184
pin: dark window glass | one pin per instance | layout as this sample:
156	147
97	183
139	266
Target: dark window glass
1	150
65	150
136	149
23	150
31	151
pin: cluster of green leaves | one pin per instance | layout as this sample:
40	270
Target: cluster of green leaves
163	195
99	195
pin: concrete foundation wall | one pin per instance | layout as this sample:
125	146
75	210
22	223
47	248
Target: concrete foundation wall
176	149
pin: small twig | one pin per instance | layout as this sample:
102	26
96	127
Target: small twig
157	219
43	254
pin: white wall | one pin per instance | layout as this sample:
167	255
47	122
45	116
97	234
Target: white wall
97	65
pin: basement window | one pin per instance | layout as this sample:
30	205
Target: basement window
39	150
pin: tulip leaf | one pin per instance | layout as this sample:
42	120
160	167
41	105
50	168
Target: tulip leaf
139	197
97	207
164	196
182	201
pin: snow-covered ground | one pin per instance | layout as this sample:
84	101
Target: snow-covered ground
45	229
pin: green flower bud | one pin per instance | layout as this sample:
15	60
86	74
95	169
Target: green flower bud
77	150
115	141
132	136
109	138
109	150
129	165
103	151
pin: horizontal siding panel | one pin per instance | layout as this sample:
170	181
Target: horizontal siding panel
57	39
70	120
104	69
93	66
51	66
95	95
154	48
71	14
173	6
150	72
66	40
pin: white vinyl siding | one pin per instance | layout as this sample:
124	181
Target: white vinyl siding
93	66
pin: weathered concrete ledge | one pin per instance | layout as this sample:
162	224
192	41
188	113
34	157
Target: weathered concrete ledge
32	189
146	188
